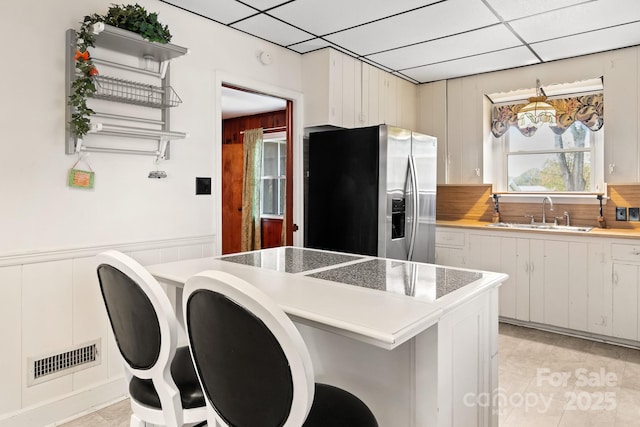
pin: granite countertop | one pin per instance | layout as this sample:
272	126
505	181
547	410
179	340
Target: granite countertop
290	259
423	281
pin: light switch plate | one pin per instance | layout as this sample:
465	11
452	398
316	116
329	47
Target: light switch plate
621	213
203	185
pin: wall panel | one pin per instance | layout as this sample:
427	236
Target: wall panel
11	338
51	301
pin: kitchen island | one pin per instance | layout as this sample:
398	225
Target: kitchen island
416	342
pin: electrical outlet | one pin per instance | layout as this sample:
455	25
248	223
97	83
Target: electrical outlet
621	213
634	214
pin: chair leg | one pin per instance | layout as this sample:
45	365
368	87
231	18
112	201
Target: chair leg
136	422
212	418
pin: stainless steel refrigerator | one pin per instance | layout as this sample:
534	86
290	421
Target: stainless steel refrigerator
372	191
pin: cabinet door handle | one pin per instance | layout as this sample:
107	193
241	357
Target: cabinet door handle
532	267
635	252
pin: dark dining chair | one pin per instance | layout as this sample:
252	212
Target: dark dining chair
252	363
163	385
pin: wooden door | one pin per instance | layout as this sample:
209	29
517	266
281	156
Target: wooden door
231	197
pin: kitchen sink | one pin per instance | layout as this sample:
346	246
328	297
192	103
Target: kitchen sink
548	227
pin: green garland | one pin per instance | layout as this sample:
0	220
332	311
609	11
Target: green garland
133	18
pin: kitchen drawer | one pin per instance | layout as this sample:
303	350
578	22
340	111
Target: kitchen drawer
621	252
450	238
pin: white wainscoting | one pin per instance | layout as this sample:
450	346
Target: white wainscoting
51	301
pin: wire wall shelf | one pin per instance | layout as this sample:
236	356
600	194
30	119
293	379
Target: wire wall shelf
151	126
130	92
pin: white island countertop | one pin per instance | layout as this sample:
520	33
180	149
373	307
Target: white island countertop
383	302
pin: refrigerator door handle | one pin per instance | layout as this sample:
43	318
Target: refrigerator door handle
414	213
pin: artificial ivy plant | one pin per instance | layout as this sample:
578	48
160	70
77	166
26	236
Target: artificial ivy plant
133	18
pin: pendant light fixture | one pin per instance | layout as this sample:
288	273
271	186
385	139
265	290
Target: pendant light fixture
536	112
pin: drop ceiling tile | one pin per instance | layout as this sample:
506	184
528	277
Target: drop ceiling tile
513	9
577	19
223	11
402	76
424	24
488	39
327	16
377	65
263	4
271	29
504	59
583	44
310	45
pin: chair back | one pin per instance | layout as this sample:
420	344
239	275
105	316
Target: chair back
141	317
253	365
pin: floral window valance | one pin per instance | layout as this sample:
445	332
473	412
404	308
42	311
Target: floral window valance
587	109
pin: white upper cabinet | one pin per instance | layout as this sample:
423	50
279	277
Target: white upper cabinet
621	117
431	119
340	90
322	87
406	104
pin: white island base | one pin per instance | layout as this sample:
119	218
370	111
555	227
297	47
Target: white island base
452	365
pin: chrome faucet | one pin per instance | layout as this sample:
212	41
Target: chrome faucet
566	216
544	201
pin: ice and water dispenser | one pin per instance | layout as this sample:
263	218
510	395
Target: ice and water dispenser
397	218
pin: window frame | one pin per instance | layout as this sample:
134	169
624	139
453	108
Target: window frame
280	139
596	150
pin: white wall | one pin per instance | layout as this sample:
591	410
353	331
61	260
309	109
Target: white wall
466	129
50	232
39	211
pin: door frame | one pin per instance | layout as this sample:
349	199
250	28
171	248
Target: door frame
297	131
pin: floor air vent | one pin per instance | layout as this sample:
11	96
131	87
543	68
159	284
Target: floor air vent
50	366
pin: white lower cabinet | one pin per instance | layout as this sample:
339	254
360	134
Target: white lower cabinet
625	296
560	297
450	248
554	279
511	256
598	288
624	293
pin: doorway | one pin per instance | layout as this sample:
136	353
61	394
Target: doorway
243	109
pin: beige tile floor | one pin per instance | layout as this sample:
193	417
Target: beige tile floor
116	415
546	380
553	380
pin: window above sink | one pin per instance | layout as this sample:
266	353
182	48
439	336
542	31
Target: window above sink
566	157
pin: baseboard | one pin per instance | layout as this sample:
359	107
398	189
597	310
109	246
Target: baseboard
573	333
65	407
